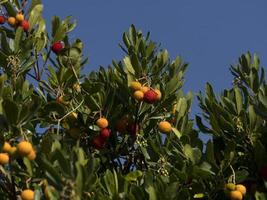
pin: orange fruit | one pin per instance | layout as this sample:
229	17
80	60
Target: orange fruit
158	94
24	148
6	147
32	155
135	85
241	188
27	195
235	195
4	158
138	95
19	17
102	123
165	127
230	186
12	21
12	151
144	89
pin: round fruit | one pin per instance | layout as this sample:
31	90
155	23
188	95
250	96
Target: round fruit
6	147
241	188
158	94
12	151
19	17
230	186
138	95
72	117
24	148
74	132
25	25
144	89
11	21
235	195
98	142
32	155
2	19
122	124
102	123
105	133
135	85
4	158
57	47
60	99
150	96
27	195
165	127
263	172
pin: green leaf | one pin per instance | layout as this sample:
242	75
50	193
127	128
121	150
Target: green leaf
11	111
152	192
239	100
132	176
193	154
18	38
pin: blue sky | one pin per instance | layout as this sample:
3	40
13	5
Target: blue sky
208	34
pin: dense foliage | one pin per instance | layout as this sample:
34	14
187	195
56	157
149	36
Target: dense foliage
121	132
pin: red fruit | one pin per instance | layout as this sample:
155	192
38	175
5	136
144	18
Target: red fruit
25	25
105	133
2	19
263	172
57	47
98	142
150	96
132	129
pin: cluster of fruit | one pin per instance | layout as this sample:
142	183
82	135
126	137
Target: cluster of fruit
99	140
15	21
235	192
24	148
144	93
57	47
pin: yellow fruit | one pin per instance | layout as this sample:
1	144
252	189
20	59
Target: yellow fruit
135	85
241	188
158	94
138	95
144	89
12	151
165	127
102	123
74	132
19	17
4	158
32	155
6	147
12	21
235	195
24	148
27	195
230	186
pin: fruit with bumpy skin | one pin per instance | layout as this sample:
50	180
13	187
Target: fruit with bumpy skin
57	47
105	133
144	89
102	123
74	132
165	127
241	188
32	155
98	142
12	151
150	96
27	195
24	148
159	95
19	17
235	195
25	25
4	158
12	21
6	147
263	172
2	19
230	186
138	95
135	85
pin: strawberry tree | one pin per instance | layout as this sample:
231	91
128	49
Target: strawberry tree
123	131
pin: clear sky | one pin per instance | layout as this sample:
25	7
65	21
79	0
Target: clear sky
208	34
